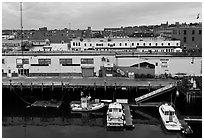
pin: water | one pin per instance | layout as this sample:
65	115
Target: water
61	123
19	121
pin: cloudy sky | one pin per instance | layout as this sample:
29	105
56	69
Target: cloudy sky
99	15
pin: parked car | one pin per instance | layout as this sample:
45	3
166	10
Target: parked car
179	75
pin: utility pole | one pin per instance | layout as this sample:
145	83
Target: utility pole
21	26
21	33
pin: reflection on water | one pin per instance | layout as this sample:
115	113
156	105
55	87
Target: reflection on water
61	123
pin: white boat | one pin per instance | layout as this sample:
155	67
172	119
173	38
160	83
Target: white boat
86	105
115	115
169	117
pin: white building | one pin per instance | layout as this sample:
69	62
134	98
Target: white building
125	44
89	64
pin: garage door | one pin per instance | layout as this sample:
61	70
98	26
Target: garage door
87	72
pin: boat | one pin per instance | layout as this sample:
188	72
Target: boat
85	105
115	115
169	118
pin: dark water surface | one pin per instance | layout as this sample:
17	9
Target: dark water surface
19	121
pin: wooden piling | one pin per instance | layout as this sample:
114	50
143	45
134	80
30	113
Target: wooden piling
10	86
52	86
105	86
31	87
94	86
42	91
62	85
21	87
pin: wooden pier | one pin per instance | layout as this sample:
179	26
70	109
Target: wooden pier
193	118
128	116
40	82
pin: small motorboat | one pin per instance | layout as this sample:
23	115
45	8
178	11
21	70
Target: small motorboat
86	105
169	118
115	115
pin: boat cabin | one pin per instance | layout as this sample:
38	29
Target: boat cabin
168	110
115	110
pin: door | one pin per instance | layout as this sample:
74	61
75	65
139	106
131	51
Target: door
87	72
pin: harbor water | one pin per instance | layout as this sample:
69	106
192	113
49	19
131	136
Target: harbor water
20	120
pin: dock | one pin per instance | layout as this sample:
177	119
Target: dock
128	116
38	82
193	118
45	104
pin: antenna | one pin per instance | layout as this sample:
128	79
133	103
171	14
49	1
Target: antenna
22	49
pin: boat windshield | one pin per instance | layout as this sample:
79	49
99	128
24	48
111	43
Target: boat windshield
114	110
169	113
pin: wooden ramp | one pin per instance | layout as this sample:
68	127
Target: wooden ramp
128	116
154	93
52	104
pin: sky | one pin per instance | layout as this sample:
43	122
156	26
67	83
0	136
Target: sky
97	15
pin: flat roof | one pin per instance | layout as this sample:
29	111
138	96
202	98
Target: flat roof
144	39
167	107
115	105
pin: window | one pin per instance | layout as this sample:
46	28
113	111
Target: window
90	44
132	44
79	44
149	44
73	43
143	44
156	44
138	44
3	61
193	38
65	61
200	32
125	44
168	44
25	61
9	71
177	44
162	44
120	44
184	39
87	60
164	65
184	32
156	64
108	44
84	44
103	59
193	32
44	61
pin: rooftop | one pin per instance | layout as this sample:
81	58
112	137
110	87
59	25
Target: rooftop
144	39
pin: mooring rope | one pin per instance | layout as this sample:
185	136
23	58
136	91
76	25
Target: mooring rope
20	97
